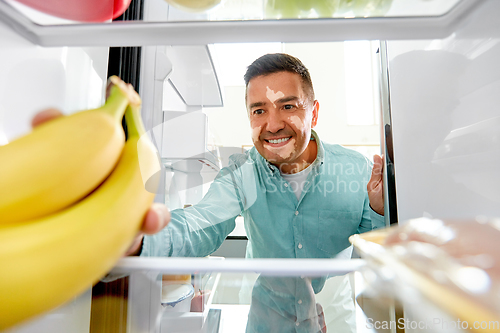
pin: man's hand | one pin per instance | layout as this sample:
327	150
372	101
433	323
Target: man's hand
375	186
156	218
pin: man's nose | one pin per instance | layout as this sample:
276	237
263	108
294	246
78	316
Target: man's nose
274	122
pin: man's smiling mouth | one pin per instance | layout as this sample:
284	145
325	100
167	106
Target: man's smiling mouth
278	140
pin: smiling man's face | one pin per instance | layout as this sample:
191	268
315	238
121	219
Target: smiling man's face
281	117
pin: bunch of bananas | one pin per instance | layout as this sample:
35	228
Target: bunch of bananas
72	198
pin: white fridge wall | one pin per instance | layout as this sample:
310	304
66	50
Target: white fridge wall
33	78
446	124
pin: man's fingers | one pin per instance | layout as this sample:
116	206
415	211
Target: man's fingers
378	165
376	176
375	185
44	116
378	168
156	219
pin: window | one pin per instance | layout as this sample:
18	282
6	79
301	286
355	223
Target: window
361	84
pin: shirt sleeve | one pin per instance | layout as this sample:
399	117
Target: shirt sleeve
370	219
199	230
378	221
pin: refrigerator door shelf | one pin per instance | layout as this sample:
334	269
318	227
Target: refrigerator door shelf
203	163
185	143
193	75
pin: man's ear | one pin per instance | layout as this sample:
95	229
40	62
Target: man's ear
315	114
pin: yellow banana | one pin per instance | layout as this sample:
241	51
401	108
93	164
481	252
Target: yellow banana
48	261
62	160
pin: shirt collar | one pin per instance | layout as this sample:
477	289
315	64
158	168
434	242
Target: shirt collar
320	157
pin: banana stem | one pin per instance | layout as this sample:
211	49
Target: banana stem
116	103
135	126
118	95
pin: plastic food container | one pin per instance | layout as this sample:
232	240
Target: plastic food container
450	265
176	297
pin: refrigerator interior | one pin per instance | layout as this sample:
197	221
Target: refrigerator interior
440	104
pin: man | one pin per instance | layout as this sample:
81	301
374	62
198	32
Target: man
266	126
300	197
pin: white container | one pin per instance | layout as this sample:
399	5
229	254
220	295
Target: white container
176	297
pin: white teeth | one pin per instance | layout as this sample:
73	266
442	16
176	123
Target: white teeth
279	140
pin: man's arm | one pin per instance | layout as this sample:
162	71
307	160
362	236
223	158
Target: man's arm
199	230
370	219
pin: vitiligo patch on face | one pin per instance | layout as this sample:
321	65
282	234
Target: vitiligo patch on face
297	122
284	151
256	133
273	96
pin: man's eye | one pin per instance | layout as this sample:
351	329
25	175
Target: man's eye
259	111
288	106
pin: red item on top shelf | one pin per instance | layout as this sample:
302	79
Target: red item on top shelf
80	10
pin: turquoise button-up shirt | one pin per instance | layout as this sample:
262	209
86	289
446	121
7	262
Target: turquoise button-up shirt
333	206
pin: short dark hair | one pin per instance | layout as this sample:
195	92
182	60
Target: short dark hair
280	62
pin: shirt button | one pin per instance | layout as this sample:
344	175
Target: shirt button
300	301
297	323
299	246
286	184
296	212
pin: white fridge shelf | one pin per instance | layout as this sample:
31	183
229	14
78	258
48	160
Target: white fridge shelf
271	267
141	33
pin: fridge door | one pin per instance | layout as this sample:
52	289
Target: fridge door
445	120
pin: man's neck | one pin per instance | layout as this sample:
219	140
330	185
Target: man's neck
308	157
